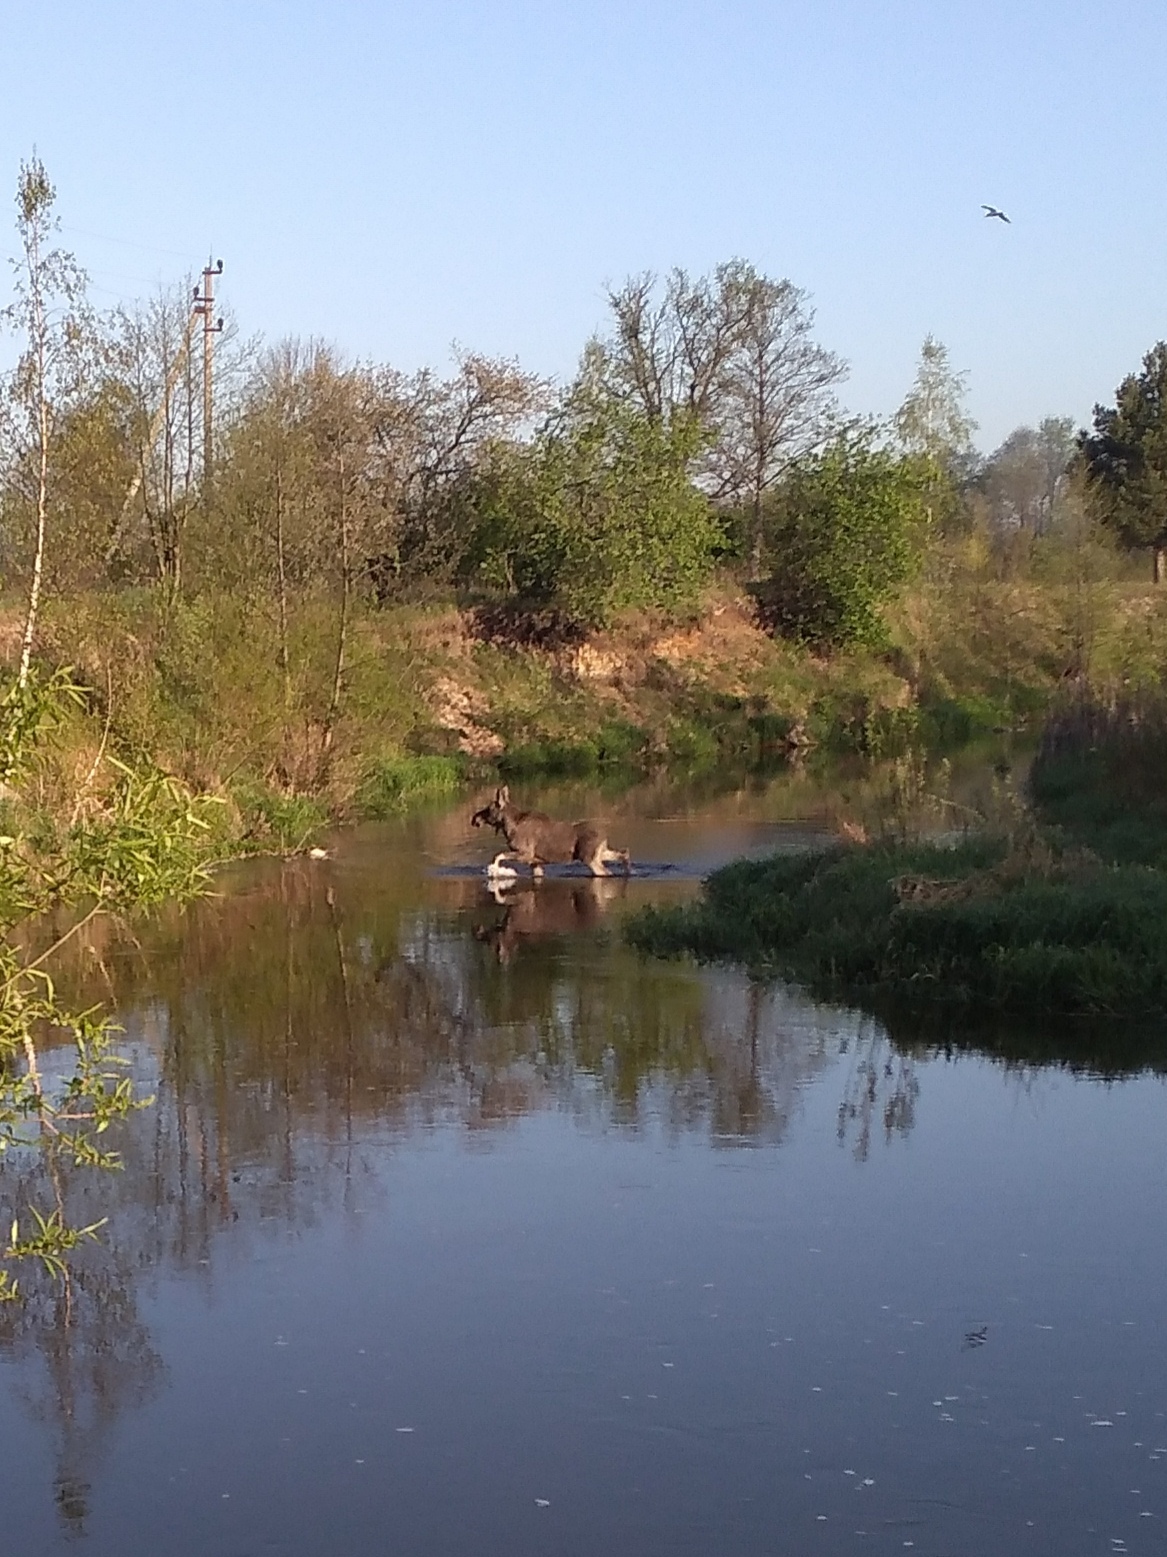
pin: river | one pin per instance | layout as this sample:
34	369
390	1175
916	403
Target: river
457	1227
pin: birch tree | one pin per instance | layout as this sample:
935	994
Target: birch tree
50	315
933	422
934	427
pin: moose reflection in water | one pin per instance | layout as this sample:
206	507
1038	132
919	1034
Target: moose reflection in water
289	1024
532	913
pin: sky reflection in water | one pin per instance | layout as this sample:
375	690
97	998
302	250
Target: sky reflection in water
458	1228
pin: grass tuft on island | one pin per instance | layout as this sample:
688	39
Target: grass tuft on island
1029	925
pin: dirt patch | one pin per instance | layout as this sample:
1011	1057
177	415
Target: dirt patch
593	662
722	649
461	709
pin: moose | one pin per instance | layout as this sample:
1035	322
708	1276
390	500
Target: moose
534	839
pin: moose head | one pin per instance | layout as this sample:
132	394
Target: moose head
494	814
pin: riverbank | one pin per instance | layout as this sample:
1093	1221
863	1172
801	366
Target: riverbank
1063	911
289	735
216	692
973	925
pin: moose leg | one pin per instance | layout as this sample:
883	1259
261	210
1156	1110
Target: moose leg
496	866
618	857
597	852
589	849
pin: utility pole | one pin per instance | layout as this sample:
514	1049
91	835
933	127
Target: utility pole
204	305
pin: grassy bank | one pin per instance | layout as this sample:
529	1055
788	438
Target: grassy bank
1025	929
1099	775
1061	909
212	690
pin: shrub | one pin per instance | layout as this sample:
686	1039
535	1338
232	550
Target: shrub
616	745
843	533
281	822
597	515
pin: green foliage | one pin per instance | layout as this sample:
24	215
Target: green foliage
1021	919
1098	774
845	532
598	515
28	710
615	745
50	1243
971	926
63	1119
394	784
1126	456
147	839
860	724
934	429
947	722
284	823
195	686
149	844
932	424
692	744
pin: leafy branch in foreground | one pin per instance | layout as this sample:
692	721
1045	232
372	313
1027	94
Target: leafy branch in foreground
49	1244
63	1083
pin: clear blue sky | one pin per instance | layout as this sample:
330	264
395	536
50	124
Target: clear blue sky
396	177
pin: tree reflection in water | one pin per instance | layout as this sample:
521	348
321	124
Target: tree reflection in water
295	1024
881	1085
87	1354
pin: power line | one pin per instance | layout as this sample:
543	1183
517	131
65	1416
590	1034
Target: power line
124	275
129	243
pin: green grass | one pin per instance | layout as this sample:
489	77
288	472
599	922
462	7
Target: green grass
991	929
616	745
269	820
1087	798
1068	919
1101	775
395	784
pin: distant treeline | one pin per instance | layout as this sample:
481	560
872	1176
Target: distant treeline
703	427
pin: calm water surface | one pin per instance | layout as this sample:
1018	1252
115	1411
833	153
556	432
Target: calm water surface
458	1228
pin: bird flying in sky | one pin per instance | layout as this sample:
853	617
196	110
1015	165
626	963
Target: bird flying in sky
991	210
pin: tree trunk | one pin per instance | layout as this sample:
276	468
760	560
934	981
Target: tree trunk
341	642
42	493
1157	564
756	538
285	669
